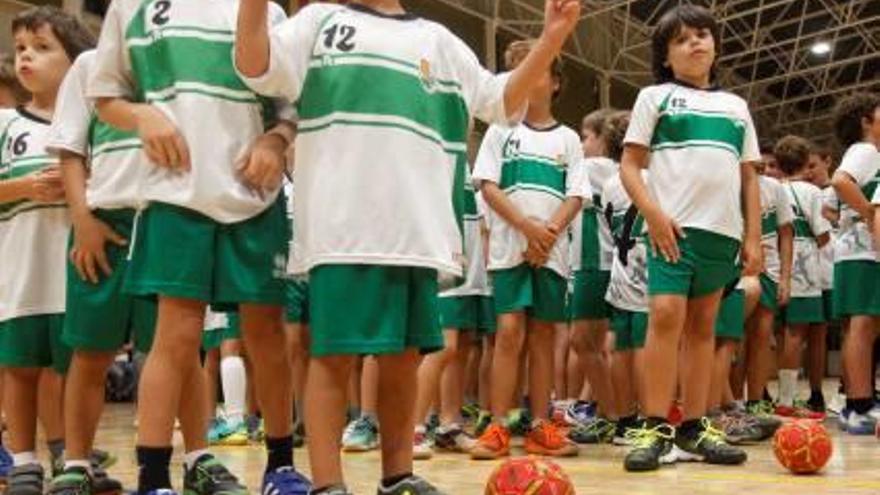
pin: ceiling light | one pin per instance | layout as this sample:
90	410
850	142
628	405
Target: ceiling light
821	48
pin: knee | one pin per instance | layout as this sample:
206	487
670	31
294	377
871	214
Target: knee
91	365
508	343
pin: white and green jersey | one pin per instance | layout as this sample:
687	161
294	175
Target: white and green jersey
33	236
809	225
592	247
116	162
537	170
698	141
215	321
476	279
177	55
776	212
383	103
826	253
628	286
861	162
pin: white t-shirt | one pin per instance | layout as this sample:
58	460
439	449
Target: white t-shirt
698	141
33	236
776	212
628	286
117	165
537	170
476	282
809	224
178	57
861	162
826	253
592	246
383	105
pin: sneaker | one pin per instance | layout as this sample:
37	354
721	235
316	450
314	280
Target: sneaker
237	436
423	446
287	481
762	412
709	446
816	402
361	435
557	412
580	413
494	443
544	438
73	481
207	476
860	424
519	421
470	411
738	428
484	420
432	423
218	430
102	459
875	413
621	432
412	485
843	418
256	432
161	491
104	484
651	447
599	430
25	480
452	438
336	490
797	412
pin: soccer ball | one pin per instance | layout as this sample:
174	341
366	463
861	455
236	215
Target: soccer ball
529	476
803	447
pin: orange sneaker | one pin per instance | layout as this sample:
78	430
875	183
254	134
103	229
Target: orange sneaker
545	439
494	443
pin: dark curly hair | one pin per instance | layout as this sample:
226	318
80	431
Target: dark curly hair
73	36
614	132
849	114
669	26
792	153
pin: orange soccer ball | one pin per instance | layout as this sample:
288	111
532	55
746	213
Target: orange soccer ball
803	447
529	476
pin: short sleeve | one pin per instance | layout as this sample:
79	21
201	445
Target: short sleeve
112	74
818	223
577	178
73	112
490	157
643	120
830	200
861	162
751	151
784	212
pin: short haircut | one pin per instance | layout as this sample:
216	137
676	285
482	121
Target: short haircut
792	153
71	33
595	120
848	116
668	28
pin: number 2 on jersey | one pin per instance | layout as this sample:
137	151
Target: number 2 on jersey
161	17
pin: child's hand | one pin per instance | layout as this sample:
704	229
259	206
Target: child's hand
783	292
752	257
664	233
163	142
539	234
560	18
88	254
262	165
46	186
535	257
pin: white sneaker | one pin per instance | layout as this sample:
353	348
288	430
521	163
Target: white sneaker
860	424
423	446
875	413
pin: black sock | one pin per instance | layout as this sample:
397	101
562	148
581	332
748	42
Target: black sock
391	481
153	473
860	406
766	395
280	452
690	428
56	448
628	421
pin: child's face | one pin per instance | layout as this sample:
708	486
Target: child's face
817	170
40	60
592	143
691	53
771	167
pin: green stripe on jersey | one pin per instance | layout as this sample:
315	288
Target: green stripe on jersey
769	223
693	130
871	186
590	249
9	211
528	172
381	96
101	134
28	167
802	229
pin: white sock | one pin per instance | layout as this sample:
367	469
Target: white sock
78	463
234	380
787	386
24	458
190	458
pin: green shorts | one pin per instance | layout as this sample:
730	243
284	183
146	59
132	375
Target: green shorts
802	310
211	339
630	329
296	305
731	320
467	313
707	264
101	317
588	301
828	305
769	291
373	309
34	342
540	293
856	289
181	253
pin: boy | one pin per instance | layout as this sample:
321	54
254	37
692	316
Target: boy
215	190
421	85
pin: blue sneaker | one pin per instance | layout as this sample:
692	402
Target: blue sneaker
580	413
860	424
5	463
163	491
843	417
285	481
219	429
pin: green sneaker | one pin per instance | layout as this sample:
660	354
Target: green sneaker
412	485
73	481
598	430
361	435
102	458
519	421
209	477
708	445
470	411
484	419
651	447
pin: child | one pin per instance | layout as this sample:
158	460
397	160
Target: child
215	190
221	344
533	178
856	281
696	217
34	224
805	308
396	91
592	248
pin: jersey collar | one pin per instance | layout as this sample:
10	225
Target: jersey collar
406	16
32	116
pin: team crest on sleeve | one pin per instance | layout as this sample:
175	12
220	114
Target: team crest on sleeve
427	77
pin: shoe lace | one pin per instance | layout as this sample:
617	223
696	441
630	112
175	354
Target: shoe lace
763	407
710	434
217	472
493	434
549	433
644	437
